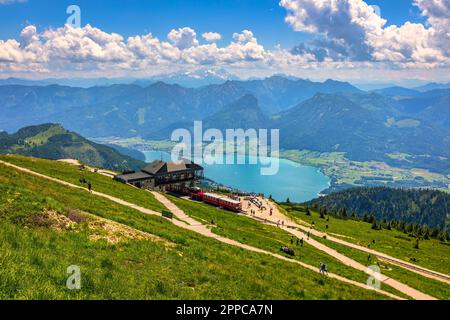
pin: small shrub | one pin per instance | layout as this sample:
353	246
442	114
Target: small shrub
76	216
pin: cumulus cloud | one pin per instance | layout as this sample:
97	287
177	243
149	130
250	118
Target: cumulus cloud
183	38
350	38
352	30
438	17
89	48
211	36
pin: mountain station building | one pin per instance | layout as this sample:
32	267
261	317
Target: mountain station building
164	176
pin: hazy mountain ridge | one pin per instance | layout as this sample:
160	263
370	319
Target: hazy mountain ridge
367	126
130	106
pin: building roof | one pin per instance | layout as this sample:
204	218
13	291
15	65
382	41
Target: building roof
161	167
154	167
135	176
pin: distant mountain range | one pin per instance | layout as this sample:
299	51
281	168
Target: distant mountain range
328	116
190	79
51	141
129	110
368	127
70	82
433	86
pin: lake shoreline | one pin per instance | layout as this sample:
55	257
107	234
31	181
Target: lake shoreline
143	146
296	181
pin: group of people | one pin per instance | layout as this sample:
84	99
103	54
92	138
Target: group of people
89	184
298	241
323	267
259	205
280	222
256	202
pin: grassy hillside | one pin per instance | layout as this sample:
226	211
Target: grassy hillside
52	141
44	228
432	253
433	287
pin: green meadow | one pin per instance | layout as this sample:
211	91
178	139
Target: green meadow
46	227
432	254
224	223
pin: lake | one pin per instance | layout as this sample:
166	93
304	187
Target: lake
299	183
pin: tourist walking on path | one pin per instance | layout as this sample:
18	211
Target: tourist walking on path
323	268
89	186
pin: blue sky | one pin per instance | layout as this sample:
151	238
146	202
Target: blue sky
264	17
321	39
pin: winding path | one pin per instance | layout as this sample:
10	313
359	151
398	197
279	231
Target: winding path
277	215
188	223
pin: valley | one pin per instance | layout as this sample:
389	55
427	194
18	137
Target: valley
343	173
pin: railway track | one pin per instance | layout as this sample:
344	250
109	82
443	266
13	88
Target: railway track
405	265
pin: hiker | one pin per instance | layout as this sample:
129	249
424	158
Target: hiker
308	235
323	268
292	240
298	241
271	211
301	242
369	258
89	186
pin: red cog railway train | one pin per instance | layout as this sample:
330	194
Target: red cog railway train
218	200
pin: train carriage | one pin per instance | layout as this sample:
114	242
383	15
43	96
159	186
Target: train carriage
217	200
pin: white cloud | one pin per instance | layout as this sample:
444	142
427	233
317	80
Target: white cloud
352	30
438	17
183	38
212	36
351	40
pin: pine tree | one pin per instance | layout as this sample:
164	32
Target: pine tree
375	225
416	246
322	213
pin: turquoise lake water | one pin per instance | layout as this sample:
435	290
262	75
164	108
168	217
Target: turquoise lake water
299	183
